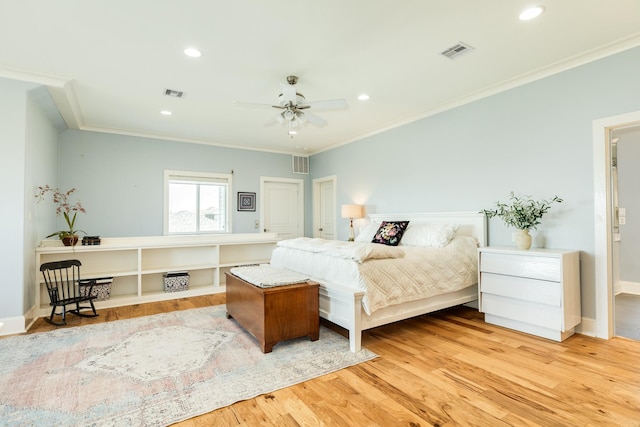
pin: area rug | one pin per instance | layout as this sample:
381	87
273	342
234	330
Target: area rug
153	370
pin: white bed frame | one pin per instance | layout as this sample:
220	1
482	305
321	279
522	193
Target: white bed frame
343	306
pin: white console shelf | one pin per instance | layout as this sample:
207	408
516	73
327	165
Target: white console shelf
138	263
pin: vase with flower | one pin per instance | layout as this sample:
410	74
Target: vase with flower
523	213
69	211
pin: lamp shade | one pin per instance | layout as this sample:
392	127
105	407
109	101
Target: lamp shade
351	211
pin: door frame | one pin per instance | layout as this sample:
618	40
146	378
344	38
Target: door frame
603	276
300	185
315	190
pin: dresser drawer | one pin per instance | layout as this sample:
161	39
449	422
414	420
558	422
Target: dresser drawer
534	267
532	290
523	311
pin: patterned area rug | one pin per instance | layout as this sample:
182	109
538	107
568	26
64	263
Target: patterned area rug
153	370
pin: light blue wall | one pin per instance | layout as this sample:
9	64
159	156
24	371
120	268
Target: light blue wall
535	139
23	136
120	179
12	161
41	167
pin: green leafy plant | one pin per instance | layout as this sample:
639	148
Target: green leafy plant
68	211
521	212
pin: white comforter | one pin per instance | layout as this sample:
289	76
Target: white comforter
358	252
409	273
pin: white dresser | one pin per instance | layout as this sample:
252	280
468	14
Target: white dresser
536	291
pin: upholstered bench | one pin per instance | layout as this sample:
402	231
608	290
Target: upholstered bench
272	304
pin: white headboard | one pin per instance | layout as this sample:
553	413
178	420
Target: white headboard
471	223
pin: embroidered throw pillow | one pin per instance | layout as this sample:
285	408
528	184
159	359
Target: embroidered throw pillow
390	232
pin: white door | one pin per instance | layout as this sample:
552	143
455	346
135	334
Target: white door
324	208
282	207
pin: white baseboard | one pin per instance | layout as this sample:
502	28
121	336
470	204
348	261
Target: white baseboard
12	325
587	327
623	287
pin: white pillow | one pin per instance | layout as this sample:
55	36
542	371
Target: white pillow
367	232
429	234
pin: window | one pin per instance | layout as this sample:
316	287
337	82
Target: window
197	203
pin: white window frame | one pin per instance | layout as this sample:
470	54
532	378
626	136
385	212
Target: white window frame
198	176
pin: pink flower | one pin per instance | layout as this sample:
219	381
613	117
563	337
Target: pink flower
69	211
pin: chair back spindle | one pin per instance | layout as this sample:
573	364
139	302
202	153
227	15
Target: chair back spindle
62	279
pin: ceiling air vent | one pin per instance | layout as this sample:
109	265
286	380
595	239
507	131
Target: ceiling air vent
301	165
457	50
174	93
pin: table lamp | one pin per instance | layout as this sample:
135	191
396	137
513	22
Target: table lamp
351	212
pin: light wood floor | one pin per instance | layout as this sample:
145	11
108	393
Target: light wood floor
444	369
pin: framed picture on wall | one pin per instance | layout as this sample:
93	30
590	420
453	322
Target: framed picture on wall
246	201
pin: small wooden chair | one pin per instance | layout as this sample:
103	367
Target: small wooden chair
63	285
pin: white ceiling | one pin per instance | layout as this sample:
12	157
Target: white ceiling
107	63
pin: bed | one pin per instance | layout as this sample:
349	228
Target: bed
346	297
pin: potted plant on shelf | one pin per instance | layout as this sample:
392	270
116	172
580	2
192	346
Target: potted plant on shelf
69	237
523	213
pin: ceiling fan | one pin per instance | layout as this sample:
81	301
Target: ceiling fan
295	109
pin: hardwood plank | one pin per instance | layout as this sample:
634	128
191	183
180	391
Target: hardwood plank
448	368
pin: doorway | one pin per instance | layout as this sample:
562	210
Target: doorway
282	207
324	208
603	131
625	158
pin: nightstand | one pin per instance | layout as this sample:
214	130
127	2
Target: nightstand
536	291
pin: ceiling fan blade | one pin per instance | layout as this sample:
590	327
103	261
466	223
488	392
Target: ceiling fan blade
288	93
256	104
315	120
330	104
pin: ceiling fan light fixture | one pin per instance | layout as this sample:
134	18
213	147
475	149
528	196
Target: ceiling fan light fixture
288	114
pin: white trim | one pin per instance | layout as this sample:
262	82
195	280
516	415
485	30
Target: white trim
623	287
586	327
317	205
12	325
603	274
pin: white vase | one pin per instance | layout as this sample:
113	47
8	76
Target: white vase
523	239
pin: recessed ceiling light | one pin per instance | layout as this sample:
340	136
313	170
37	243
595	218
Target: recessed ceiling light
192	52
166	112
363	97
532	12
